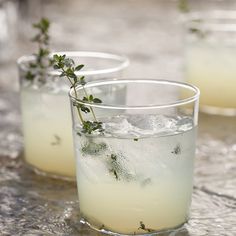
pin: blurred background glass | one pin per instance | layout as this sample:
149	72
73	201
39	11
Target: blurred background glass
211	59
46	113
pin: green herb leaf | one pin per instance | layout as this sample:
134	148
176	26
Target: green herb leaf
29	76
56	67
90	126
97	100
90	98
82	81
79	67
84	109
177	150
143	227
42	62
43	24
183	6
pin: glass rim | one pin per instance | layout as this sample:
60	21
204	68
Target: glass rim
179	102
205	20
124	62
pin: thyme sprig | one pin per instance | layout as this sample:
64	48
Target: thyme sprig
143	227
68	70
38	67
183	6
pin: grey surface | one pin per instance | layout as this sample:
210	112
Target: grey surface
36	205
150	34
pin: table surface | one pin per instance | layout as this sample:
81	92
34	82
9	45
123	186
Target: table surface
35	205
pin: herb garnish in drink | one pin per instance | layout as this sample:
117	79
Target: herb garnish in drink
38	67
68	70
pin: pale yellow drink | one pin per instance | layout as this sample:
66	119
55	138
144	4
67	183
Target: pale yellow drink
47	131
124	184
212	68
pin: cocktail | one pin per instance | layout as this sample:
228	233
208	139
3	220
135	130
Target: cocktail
46	110
135	157
210	59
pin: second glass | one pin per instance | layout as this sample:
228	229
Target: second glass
45	110
210	59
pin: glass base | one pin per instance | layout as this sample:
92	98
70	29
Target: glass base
164	232
218	110
47	174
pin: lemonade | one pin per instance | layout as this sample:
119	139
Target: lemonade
212	68
138	176
210	59
47	131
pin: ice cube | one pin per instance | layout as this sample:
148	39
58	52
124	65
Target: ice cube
152	124
184	123
118	125
145	125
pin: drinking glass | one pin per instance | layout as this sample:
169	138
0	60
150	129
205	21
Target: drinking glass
135	157
46	115
211	59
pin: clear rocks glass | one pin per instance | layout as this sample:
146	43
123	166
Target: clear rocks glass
46	114
135	170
